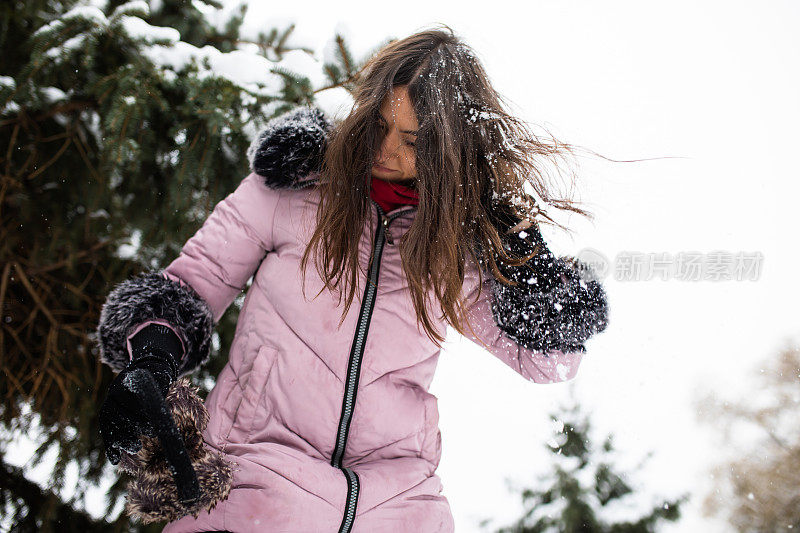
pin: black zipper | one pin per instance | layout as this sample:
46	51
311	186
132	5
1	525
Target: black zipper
354	369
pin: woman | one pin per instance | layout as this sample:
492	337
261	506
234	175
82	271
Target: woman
413	201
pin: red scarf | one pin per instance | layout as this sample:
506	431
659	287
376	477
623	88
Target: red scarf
390	195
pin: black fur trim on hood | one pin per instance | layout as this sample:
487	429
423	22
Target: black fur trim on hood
289	150
557	303
151	296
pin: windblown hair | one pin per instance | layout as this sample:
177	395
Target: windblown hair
472	160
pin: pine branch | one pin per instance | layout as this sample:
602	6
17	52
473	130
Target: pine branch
43	505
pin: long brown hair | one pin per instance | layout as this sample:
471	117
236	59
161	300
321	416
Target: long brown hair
472	160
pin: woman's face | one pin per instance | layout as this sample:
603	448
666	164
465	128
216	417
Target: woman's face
396	157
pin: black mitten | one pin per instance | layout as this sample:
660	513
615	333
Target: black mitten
555	305
157	350
154	495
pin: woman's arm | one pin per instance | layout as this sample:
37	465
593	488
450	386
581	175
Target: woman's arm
191	294
225	252
539	326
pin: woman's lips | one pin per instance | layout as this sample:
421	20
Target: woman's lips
384	169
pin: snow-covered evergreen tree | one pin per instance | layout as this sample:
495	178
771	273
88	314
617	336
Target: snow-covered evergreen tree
584	491
121	125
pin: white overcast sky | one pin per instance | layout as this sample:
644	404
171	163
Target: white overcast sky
713	86
710	86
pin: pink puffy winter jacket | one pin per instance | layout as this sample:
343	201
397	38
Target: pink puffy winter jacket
331	428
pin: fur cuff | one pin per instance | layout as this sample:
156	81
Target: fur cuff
557	303
150	296
289	148
152	494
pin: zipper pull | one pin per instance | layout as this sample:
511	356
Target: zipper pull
386	234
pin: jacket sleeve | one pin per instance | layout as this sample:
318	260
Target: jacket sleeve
191	294
538	327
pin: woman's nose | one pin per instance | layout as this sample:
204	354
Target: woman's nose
388	149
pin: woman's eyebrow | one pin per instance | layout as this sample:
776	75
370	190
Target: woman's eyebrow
412	132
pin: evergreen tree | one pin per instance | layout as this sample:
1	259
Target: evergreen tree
584	492
122	124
